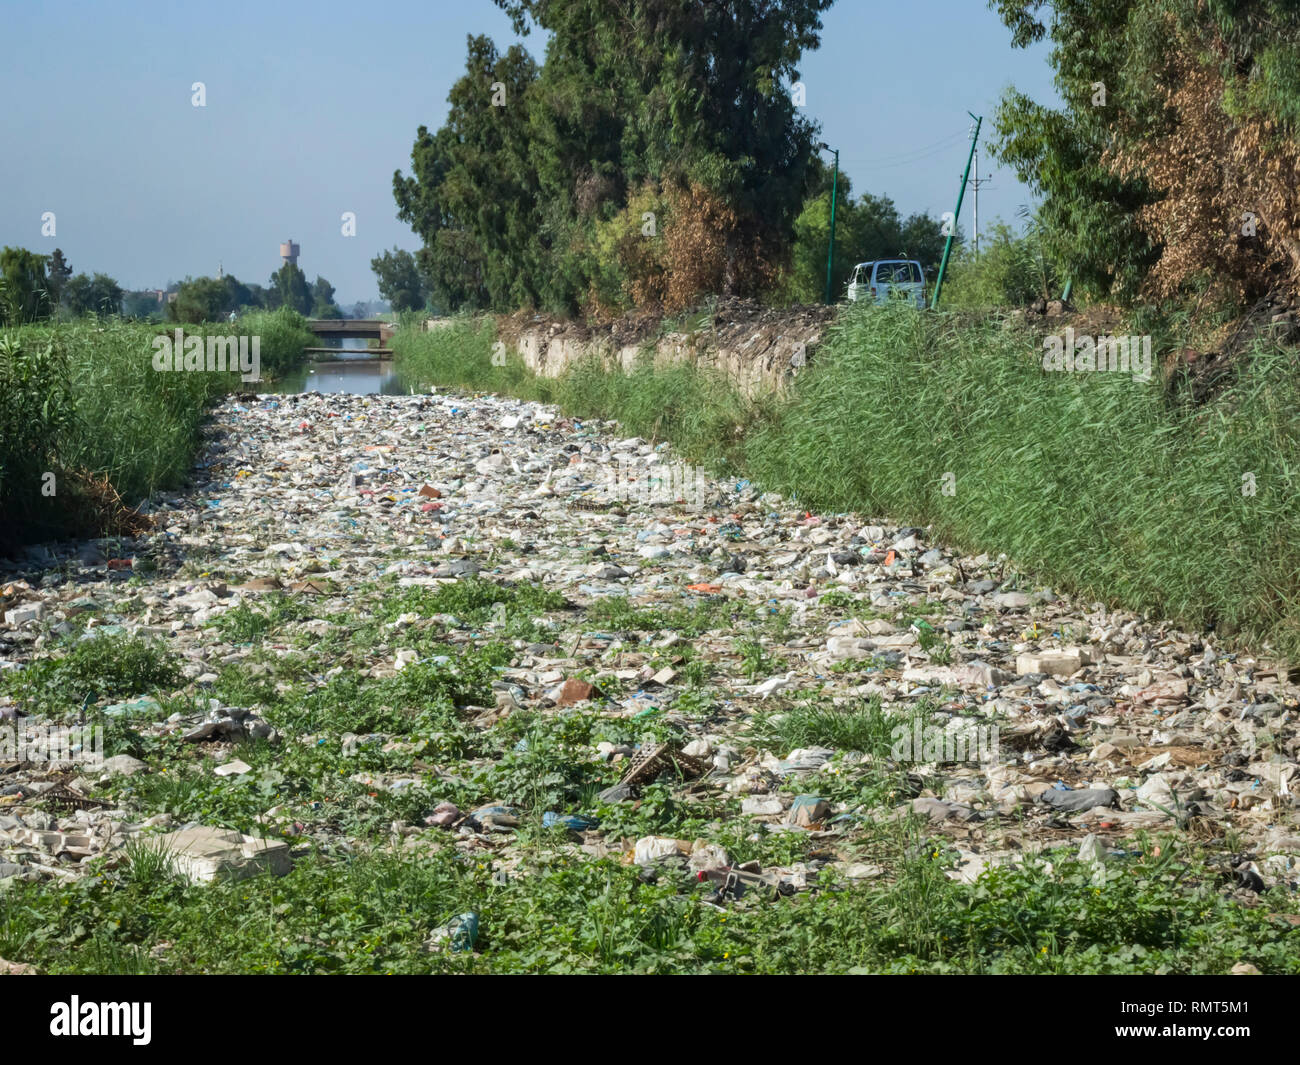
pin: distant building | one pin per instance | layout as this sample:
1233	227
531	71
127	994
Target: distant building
289	252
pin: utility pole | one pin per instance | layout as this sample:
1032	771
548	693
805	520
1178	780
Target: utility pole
835	180
956	214
978	183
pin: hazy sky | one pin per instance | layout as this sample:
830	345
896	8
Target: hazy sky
311	107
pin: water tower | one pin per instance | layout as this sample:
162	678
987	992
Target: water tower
289	252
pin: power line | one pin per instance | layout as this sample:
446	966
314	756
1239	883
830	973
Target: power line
945	139
913	154
914	159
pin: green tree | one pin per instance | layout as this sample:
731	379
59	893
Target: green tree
100	294
57	272
291	290
23	297
689	93
200	299
473	196
238	295
323	305
76	294
684	104
921	238
399	279
142	304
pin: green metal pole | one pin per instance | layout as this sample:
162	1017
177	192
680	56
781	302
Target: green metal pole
947	248
830	256
1069	287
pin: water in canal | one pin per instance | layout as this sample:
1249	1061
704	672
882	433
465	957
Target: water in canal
352	370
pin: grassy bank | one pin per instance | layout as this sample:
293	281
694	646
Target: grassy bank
83	402
1100	484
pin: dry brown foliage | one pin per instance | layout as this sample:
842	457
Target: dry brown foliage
100	508
703	247
1213	168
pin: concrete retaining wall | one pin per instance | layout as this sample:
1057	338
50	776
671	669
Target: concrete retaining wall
758	349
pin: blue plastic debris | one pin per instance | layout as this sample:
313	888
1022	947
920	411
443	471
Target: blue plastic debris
576	822
495	818
462	931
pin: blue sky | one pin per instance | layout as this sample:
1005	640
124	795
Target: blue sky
311	107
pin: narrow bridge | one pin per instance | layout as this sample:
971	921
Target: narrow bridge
361	328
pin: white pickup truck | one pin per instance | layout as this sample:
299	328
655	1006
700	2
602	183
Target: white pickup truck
887	279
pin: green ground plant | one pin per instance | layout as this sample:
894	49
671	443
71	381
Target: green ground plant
102	666
373	912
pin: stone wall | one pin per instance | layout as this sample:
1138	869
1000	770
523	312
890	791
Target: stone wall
759	349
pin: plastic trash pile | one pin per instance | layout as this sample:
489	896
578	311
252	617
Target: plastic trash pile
1014	718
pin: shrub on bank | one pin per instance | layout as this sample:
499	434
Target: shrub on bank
82	401
462	354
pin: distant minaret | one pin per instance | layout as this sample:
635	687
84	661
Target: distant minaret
221	272
289	252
